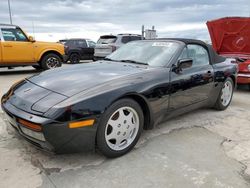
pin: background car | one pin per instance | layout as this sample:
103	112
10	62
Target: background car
109	43
230	38
17	49
79	49
62	41
107	104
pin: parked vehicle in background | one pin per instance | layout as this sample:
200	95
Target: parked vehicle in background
230	38
79	49
109	43
17	49
62	41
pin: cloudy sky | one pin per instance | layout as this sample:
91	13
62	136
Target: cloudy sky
57	19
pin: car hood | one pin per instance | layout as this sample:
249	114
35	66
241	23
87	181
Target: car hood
230	35
73	79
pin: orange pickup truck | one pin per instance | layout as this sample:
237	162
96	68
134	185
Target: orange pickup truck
18	49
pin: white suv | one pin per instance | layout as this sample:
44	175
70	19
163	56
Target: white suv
109	43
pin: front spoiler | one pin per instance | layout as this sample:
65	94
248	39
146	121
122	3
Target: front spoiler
59	138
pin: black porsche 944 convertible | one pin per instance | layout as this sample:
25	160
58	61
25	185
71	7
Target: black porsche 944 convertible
107	104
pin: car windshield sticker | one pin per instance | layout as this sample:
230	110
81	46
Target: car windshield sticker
165	44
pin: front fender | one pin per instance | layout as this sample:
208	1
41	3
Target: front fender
41	52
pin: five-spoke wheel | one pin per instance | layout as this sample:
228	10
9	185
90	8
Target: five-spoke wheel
120	128
226	95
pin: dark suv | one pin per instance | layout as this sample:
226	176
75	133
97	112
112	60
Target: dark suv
79	49
109	43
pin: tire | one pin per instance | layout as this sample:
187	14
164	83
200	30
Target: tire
223	101
51	61
128	131
74	58
249	87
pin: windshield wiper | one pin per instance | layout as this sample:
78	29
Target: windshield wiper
132	61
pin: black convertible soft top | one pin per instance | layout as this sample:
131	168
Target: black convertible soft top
215	58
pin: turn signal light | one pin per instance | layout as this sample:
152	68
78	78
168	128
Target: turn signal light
79	124
30	125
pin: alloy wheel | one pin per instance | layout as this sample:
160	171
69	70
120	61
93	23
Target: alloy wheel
52	62
227	92
122	128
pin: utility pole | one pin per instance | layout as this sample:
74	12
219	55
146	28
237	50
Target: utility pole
10	12
142	32
33	28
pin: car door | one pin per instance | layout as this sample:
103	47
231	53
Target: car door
191	85
16	48
84	50
91	48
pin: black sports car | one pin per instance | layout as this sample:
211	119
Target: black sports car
108	103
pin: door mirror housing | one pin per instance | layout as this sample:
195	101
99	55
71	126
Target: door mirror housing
31	39
184	63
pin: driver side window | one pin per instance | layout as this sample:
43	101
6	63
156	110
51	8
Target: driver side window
184	54
196	52
11	34
199	54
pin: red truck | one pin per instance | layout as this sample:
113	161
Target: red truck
231	38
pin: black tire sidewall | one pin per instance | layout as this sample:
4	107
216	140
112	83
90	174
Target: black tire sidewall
219	105
46	57
100	136
71	57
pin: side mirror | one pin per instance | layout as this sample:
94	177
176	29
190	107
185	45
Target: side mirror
31	39
183	64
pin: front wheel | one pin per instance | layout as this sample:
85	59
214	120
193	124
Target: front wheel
120	128
51	61
225	95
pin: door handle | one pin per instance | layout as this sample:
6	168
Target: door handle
7	46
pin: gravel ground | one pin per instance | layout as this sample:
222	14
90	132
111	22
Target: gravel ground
204	148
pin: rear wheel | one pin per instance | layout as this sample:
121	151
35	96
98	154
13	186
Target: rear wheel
226	95
51	61
120	128
74	58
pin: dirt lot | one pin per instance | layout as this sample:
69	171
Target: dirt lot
205	148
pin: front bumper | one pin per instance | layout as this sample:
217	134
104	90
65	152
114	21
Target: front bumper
243	78
58	137
101	54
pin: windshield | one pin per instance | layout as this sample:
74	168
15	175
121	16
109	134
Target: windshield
152	53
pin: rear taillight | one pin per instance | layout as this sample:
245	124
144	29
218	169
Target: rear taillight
113	48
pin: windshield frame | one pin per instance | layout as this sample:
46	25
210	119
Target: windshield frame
173	56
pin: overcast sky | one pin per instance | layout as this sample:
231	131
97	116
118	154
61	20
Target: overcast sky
57	19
